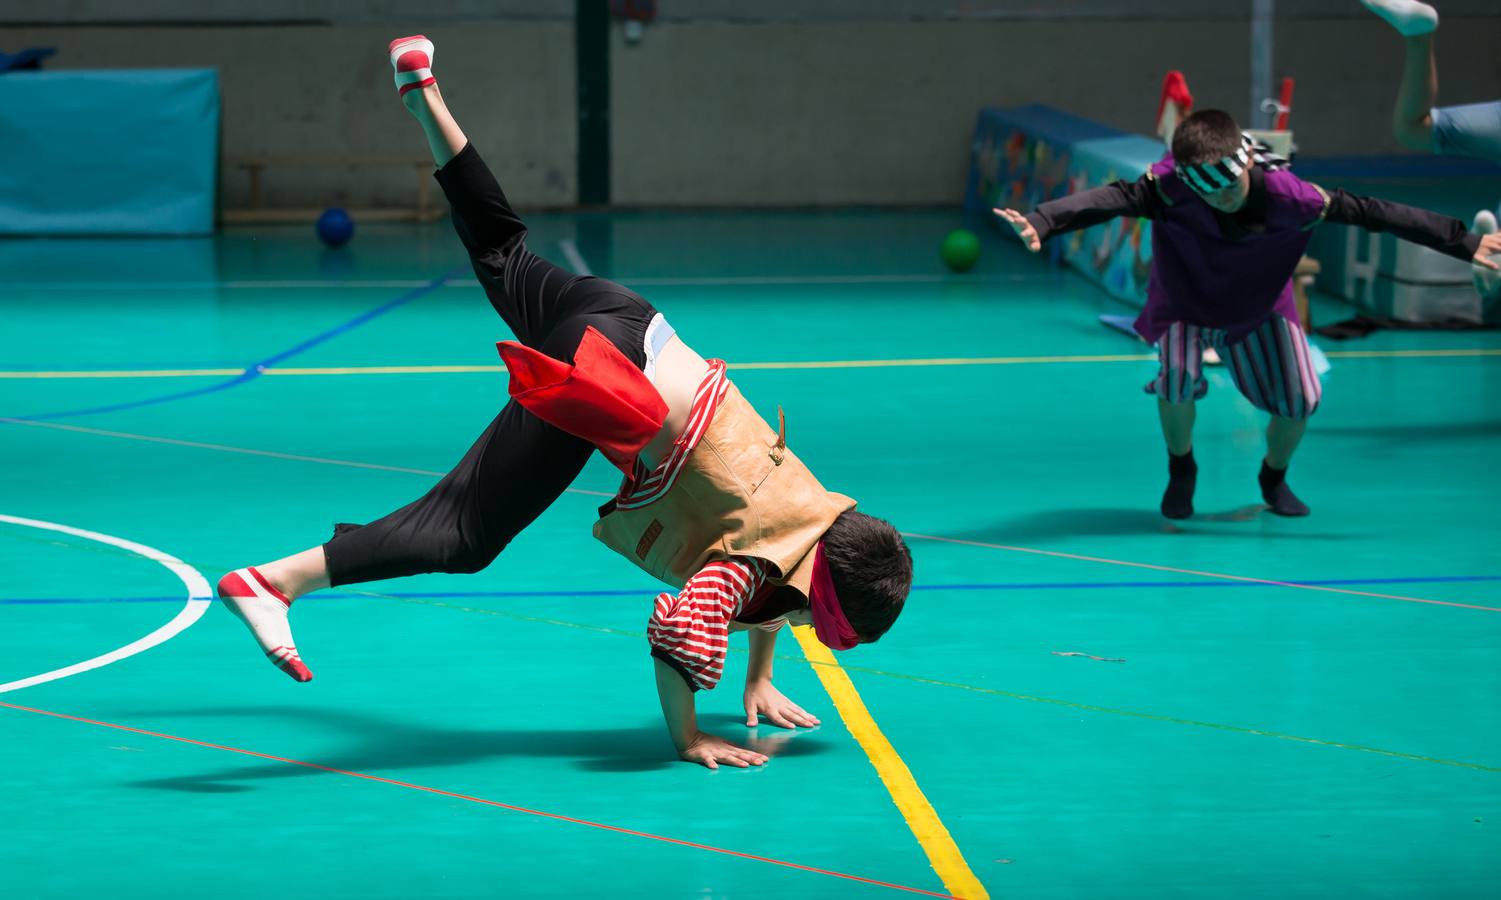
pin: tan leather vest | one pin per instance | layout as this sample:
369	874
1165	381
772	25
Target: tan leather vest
741	492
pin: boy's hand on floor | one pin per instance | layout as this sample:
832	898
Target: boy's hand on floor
1024	229
709	751
1490	246
762	699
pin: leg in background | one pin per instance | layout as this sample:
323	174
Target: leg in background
1412	118
1179	383
1273	368
1177	425
1282	437
1183	473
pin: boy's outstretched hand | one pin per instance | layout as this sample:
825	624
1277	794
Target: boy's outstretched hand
761	699
710	750
1024	229
1490	246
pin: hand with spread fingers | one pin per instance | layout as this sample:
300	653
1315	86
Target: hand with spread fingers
762	699
1490	248
710	750
1024	229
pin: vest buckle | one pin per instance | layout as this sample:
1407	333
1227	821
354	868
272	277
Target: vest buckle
779	449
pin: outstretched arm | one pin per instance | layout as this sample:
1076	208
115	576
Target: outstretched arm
1081	210
1443	233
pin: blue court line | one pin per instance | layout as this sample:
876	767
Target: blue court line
647	591
255	370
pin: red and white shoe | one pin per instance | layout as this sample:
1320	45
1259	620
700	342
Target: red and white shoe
263	609
412	58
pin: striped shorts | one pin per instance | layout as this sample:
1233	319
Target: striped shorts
1271	366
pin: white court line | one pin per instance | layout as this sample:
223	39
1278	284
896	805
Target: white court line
1220	575
248	451
574	257
199	596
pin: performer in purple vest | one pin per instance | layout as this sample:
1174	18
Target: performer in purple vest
1229	224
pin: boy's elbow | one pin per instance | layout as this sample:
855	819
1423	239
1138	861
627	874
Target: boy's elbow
675	667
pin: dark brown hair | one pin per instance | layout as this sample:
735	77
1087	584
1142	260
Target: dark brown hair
872	571
1207	136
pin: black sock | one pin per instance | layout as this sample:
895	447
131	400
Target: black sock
1183	474
1277	494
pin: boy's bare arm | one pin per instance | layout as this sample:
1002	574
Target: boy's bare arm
763	645
761	698
682	724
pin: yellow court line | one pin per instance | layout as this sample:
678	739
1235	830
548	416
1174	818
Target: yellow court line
126	373
470	370
941	361
386	370
1405	354
1176	570
935	362
932	836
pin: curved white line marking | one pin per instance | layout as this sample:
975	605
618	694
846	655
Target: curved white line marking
199	597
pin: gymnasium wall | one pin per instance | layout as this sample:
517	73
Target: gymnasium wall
325	92
880	112
838	108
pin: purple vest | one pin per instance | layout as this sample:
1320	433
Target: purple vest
1204	278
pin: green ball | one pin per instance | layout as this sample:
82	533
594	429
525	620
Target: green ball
961	250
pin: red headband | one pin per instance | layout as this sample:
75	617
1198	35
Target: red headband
833	629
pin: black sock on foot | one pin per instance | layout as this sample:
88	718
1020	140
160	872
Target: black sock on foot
1183	474
1277	494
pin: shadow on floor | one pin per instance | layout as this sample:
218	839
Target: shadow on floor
386	747
1037	528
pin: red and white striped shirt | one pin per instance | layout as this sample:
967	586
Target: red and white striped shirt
691	632
642	487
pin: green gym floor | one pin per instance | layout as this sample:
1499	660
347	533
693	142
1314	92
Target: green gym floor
1082	699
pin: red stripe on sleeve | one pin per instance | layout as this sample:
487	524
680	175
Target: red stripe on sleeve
693	627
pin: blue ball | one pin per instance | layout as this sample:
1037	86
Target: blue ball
335	227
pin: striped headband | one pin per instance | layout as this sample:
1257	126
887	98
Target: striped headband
1206	178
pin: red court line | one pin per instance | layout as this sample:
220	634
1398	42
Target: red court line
521	809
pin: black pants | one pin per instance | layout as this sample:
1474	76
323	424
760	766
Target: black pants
520	464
